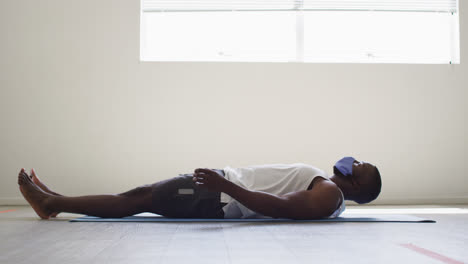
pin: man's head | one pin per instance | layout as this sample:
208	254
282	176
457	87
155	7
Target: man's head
362	179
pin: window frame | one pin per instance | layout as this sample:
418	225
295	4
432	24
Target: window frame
300	35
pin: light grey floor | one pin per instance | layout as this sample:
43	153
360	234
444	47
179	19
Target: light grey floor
26	239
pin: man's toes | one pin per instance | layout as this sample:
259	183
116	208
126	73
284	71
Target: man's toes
27	178
24	176
20	172
20	178
34	177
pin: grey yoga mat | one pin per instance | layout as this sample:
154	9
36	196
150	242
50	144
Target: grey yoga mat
344	218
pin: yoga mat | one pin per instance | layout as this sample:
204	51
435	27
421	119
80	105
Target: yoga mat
346	218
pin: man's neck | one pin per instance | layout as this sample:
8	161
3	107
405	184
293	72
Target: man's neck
342	185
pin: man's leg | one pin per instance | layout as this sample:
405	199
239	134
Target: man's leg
180	197
125	204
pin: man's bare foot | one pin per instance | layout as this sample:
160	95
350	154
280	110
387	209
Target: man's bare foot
34	195
43	187
40	184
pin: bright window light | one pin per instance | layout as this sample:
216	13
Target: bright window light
219	36
346	31
398	37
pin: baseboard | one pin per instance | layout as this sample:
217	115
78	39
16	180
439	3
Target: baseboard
383	201
13	201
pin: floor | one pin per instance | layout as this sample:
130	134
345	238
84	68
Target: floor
27	239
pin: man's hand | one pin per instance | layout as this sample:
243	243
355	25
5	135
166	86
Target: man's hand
209	179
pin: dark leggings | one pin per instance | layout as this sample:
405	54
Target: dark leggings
180	197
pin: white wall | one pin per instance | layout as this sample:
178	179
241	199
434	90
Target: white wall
78	106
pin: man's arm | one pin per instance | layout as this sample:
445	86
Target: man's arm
260	202
319	202
308	204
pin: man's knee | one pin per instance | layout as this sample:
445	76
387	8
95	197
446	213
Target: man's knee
138	191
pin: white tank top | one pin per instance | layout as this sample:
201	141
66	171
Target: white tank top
276	179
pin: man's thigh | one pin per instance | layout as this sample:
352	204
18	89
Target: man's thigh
180	197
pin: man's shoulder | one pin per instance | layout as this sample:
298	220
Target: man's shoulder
320	201
325	184
328	190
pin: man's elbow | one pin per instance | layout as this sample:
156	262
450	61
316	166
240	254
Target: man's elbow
304	213
282	209
292	213
302	206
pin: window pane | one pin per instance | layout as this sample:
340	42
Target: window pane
219	36
309	36
403	37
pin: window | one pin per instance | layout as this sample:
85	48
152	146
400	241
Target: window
346	31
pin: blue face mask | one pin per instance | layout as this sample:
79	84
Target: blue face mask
345	166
